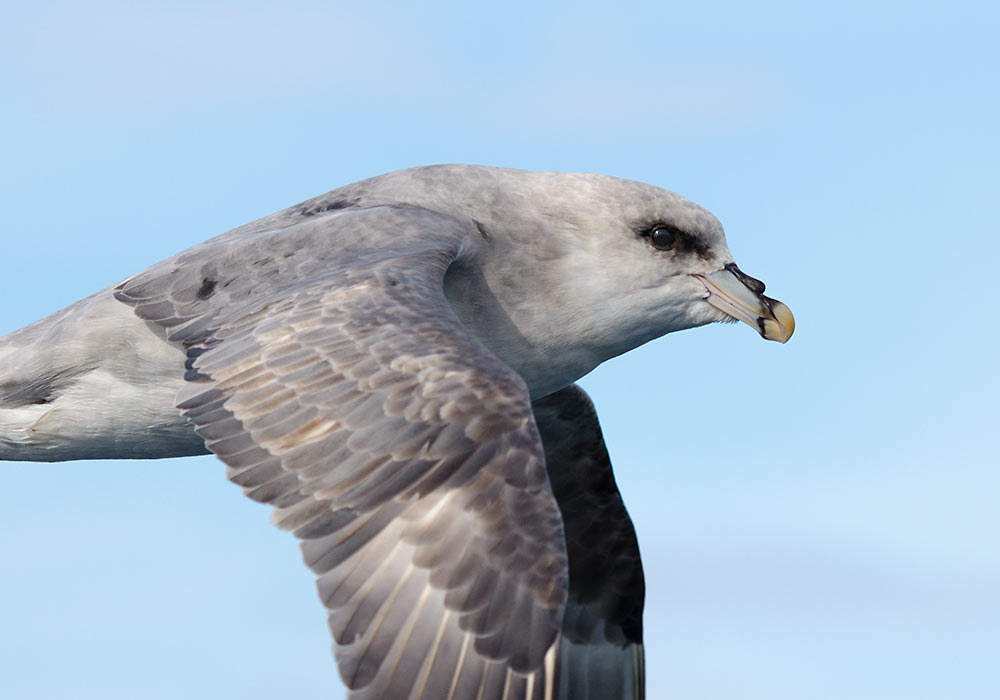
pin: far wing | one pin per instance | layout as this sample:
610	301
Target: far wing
601	655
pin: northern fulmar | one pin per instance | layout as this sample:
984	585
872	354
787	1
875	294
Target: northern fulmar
391	366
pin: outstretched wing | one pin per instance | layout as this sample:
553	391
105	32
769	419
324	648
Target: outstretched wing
401	452
601	654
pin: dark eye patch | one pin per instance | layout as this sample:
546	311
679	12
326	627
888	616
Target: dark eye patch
669	237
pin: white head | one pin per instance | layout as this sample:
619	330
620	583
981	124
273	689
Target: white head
571	269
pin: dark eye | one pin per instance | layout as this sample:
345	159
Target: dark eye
663	237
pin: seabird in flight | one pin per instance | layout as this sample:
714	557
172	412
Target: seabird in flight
391	366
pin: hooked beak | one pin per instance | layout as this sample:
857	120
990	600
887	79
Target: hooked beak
742	297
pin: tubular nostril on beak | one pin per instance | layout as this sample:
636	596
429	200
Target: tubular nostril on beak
752	283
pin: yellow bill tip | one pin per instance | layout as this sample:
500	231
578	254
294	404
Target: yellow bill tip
781	327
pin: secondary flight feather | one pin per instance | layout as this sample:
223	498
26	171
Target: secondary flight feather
391	366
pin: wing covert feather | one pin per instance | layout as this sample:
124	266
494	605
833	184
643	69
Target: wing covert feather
401	452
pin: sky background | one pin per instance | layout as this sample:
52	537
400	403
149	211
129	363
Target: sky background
818	520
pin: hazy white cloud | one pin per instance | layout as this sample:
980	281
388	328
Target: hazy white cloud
171	57
649	99
161	54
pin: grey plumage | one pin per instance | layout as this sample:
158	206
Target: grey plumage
391	367
306	375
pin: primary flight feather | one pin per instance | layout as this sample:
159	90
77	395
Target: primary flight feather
391	365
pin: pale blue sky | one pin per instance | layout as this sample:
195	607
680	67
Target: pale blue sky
818	521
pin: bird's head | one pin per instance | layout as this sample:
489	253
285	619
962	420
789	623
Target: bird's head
565	270
634	262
